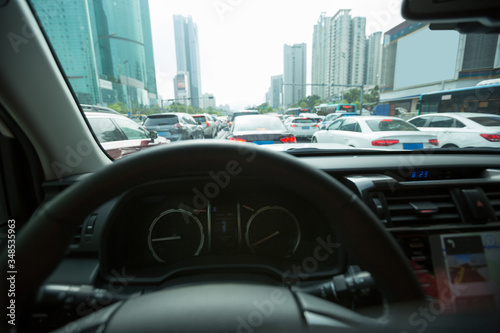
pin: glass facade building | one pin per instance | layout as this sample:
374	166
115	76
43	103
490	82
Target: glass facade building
109	58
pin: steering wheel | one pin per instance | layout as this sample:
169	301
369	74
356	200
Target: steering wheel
214	306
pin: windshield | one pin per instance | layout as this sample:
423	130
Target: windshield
487	121
161	120
258	123
379	125
230	58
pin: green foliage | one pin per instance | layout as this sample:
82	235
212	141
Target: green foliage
119	107
308	102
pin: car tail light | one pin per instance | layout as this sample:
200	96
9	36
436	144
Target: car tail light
434	142
208	125
178	125
292	125
289	139
237	139
315	125
384	142
491	137
386	120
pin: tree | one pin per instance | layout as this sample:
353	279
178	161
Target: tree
308	102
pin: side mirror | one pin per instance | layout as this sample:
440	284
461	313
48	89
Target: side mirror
153	135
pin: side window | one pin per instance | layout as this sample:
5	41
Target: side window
459	124
441	121
335	125
419	122
105	130
349	125
131	129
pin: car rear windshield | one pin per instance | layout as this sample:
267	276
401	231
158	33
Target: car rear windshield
200	119
382	125
487	121
258	123
161	120
303	120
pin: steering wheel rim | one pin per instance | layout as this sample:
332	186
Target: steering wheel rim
358	225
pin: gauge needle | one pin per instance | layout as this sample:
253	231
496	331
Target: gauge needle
166	238
264	239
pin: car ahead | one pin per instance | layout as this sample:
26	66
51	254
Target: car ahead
329	118
223	120
121	136
210	127
174	126
459	130
206	236
375	132
97	108
259	129
241	113
302	127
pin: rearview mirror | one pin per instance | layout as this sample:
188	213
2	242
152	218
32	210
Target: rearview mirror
463	15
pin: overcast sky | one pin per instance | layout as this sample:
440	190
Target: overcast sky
241	41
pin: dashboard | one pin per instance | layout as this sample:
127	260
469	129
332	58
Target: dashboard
443	210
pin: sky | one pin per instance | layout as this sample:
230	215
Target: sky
241	41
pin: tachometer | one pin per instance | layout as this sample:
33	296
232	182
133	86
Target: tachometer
273	230
175	234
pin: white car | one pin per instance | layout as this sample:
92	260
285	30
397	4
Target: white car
458	130
375	132
302	127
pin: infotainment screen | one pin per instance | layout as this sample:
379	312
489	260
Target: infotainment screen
467	270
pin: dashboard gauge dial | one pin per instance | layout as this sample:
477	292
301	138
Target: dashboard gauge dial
273	230
175	234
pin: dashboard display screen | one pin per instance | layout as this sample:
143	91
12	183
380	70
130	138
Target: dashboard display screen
467	270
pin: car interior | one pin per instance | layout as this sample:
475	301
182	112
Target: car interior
210	236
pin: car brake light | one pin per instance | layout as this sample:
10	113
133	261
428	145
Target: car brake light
434	142
384	142
386	120
292	125
315	125
237	139
491	137
289	139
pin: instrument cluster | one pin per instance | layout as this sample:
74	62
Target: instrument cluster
151	233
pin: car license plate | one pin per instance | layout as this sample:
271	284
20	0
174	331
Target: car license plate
264	142
163	133
305	127
410	146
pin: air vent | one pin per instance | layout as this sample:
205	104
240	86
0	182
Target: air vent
420	207
493	194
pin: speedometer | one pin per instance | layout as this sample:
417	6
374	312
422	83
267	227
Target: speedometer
273	230
175	234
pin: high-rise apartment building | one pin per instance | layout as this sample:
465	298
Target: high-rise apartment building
294	73
338	53
373	59
275	91
111	58
187	53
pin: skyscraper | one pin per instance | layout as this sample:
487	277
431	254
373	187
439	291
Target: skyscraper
187	53
338	53
373	59
294	73
275	92
111	59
